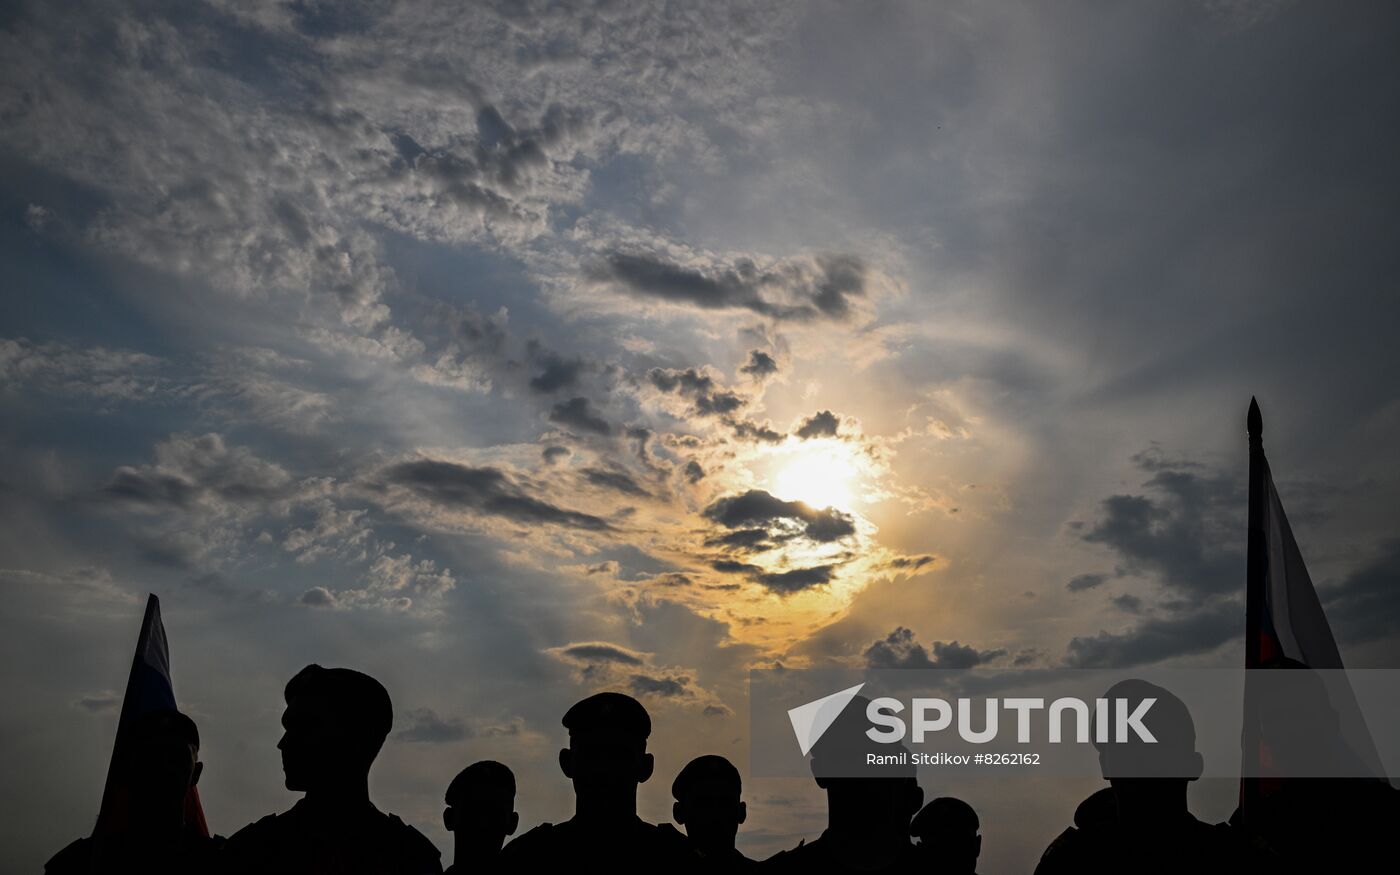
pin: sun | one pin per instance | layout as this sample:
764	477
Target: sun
821	474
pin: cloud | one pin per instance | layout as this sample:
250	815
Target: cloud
746	430
100	373
426	727
823	424
760	365
666	687
1128	603
1184	531
757	507
318	597
102	702
1081	582
899	649
1365	605
910	563
589	652
693	472
798	289
557	373
704	392
1158	638
553	455
795	580
577	413
483	490
616	480
198	470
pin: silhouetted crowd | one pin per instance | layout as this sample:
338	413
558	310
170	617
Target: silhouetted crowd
336	721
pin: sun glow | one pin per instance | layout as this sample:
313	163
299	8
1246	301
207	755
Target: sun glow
821	474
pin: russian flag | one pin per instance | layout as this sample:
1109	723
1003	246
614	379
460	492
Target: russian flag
148	689
1285	627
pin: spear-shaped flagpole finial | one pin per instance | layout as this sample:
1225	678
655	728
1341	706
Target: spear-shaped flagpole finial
1254	423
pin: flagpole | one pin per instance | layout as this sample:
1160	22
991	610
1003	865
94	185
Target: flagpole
1256	572
1258	544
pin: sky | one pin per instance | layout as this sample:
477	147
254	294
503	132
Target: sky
513	351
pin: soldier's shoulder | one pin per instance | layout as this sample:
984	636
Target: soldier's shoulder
76	857
532	841
794	859
420	854
262	827
259	840
1062	853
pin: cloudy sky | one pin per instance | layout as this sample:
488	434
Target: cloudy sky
513	351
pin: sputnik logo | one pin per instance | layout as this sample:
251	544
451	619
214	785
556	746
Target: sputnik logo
811	720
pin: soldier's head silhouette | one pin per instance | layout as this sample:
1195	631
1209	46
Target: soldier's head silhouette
947	830
861	797
335	722
708	804
161	764
607	754
1148	776
480	810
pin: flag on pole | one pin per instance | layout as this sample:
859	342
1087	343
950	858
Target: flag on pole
148	689
1285	626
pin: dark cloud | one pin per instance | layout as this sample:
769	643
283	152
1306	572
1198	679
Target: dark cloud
555	454
578	413
666	687
641	438
780	582
748	430
823	424
760	365
557	373
899	649
759	508
1128	603
796	580
197	470
426	727
1185	532
718	403
910	563
749	539
98	703
708	397
693	472
483	490
616	480
151	487
318	597
1159	638
1365	606
1081	582
798	290
599	651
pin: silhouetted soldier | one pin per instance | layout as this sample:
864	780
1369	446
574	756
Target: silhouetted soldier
159	767
335	722
708	804
867	817
606	760
480	814
948	841
1154	830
